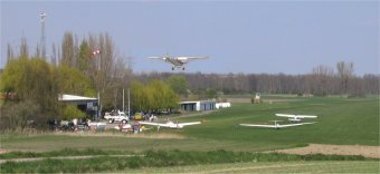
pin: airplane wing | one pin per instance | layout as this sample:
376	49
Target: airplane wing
193	58
203	57
258	125
298	116
153	124
292	125
190	123
307	116
285	115
155	57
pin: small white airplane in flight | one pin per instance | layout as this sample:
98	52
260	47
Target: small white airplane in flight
296	118
177	62
276	125
170	124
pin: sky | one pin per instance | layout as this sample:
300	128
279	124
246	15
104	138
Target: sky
289	37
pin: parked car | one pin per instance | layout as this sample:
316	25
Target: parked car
138	116
116	116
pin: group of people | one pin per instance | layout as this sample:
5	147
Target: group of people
86	124
65	125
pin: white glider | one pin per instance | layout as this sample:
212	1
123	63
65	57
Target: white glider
276	125
296	118
170	124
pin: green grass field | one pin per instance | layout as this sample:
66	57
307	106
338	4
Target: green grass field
341	121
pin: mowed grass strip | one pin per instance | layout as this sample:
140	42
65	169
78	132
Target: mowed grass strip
159	159
44	143
269	167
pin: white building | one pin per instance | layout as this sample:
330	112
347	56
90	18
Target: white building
222	105
86	104
202	105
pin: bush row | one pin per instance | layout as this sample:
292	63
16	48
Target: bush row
155	159
63	152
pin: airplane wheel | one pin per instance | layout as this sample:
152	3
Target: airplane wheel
183	68
172	68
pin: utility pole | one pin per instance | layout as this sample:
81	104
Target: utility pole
123	101
43	39
129	102
99	108
95	53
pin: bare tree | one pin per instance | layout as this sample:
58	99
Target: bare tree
24	48
38	51
54	54
356	87
371	83
106	68
68	49
345	72
9	52
321	76
59	55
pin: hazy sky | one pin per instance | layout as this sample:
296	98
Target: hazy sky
290	37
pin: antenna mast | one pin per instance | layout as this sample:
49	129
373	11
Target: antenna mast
43	42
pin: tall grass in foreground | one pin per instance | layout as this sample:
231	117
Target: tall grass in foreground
63	152
158	159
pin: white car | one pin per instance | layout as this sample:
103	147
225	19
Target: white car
117	116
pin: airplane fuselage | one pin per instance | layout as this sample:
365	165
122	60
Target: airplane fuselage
178	63
173	125
295	119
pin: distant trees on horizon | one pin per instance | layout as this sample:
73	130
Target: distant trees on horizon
321	81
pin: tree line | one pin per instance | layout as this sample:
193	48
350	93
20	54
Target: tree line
321	81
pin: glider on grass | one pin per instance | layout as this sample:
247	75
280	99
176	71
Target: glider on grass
170	124
276	125
296	118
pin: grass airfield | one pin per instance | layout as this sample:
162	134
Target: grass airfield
341	121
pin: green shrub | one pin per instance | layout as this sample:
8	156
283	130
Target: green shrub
63	152
15	115
71	112
157	159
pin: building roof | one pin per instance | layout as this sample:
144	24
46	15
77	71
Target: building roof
67	97
197	101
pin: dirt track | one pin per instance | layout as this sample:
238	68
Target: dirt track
3	151
366	151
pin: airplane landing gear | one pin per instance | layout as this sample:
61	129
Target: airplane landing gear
172	68
183	68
